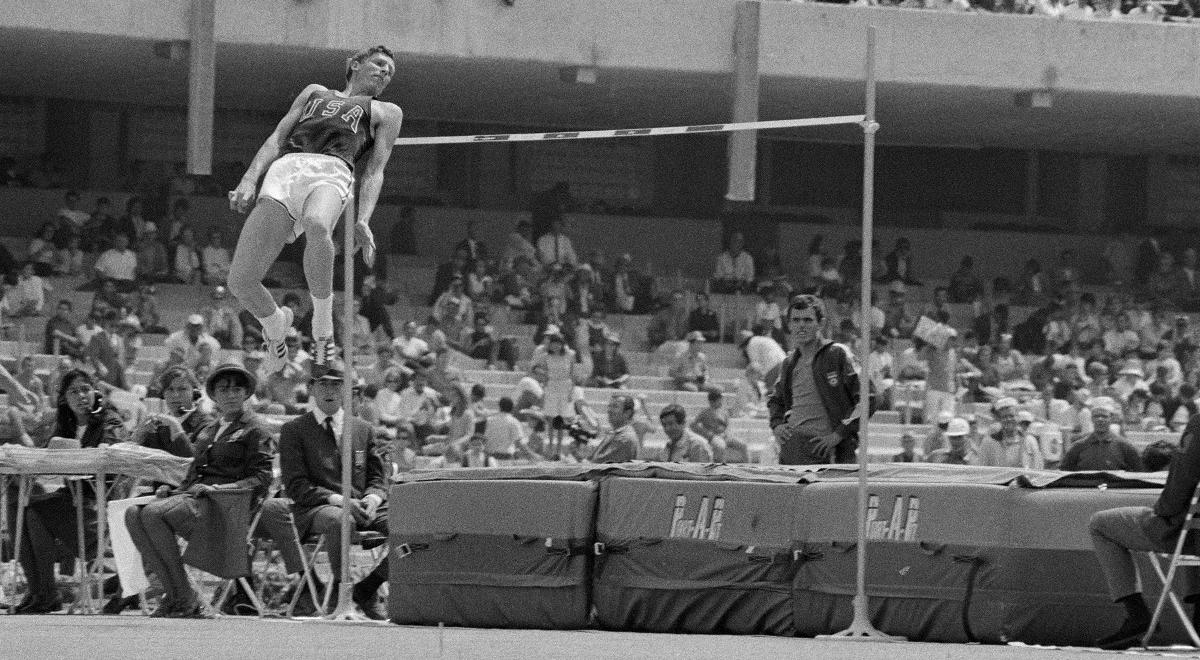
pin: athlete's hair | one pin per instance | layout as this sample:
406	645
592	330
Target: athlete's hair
364	54
808	301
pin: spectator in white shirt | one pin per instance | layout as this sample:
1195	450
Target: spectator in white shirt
29	296
764	355
118	263
408	345
520	244
880	369
417	405
554	247
187	258
505	434
190	339
215	257
734	271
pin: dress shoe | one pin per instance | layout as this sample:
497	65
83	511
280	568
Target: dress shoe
118	604
165	607
38	605
367	602
1127	636
193	610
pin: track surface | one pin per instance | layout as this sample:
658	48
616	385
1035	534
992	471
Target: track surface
125	637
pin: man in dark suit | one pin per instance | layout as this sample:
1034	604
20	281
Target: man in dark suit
1118	533
310	458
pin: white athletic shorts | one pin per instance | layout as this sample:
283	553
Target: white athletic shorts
292	177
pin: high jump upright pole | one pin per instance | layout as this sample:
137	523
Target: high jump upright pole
345	605
861	628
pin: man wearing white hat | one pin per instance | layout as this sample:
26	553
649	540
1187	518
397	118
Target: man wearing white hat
1010	446
1102	449
935	440
1131	377
959	449
691	366
189	339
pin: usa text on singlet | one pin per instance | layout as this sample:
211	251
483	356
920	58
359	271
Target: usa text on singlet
334	125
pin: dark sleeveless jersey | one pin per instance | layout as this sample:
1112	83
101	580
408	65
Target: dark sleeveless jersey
333	125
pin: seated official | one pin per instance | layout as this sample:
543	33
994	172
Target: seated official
310	457
1118	533
232	452
50	520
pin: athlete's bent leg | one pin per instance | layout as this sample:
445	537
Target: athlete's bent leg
266	231
321	212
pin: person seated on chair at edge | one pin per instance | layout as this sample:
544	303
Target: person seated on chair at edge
814	408
1118	533
50	519
310	458
309	165
233	452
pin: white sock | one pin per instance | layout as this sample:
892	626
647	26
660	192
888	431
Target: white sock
275	325
322	323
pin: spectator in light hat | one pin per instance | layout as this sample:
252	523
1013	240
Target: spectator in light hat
1010	446
958	433
1102	449
690	370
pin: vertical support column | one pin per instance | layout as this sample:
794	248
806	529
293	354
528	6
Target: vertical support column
1032	173
201	86
1090	195
743	144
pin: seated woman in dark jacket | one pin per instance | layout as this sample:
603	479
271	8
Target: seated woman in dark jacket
175	428
50	519
232	452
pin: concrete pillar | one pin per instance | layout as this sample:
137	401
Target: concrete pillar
201	86
104	149
1093	179
1031	187
743	144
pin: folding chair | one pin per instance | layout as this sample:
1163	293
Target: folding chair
311	546
1176	560
255	595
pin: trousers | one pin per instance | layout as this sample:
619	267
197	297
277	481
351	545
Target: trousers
287	525
1116	535
154	529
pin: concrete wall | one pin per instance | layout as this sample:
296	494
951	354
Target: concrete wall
799	40
980	50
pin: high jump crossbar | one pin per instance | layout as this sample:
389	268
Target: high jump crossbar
634	132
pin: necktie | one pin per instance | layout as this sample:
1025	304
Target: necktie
329	429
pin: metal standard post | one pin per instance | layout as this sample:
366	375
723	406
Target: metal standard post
861	628
345	606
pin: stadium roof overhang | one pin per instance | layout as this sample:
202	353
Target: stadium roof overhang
107	69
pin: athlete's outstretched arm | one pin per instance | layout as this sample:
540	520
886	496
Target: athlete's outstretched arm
242	198
386	132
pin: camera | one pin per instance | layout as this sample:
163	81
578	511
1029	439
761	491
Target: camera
580	433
